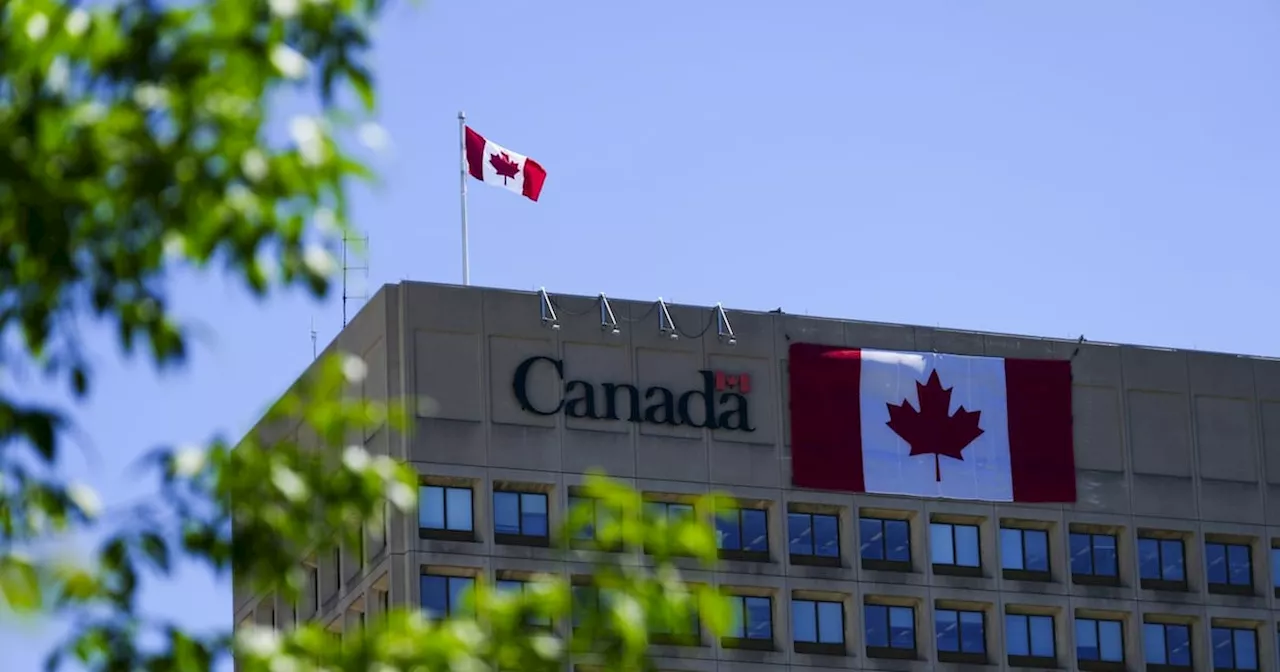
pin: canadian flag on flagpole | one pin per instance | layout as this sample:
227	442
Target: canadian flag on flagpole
494	164
931	425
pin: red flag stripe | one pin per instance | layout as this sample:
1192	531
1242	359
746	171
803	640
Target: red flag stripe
475	154
1041	454
534	176
826	418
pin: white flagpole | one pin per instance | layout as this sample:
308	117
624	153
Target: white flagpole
462	140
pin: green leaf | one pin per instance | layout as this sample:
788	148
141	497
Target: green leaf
20	584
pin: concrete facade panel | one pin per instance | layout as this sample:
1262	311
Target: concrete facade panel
611	452
1270	412
947	340
880	336
1159	431
1220	375
449	441
1225	431
1097	428
1154	369
448	375
1172	496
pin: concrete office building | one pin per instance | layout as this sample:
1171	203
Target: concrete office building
1165	560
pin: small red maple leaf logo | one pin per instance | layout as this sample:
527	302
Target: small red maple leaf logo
504	166
930	431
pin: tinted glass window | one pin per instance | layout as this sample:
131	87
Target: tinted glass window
1161	559
1093	554
953	544
752	617
813	534
1275	566
890	627
817	622
588	530
1228	564
1029	635
885	539
960	631
520	513
743	530
1024	549
444	596
1099	640
1234	649
444	508
519	587
1166	644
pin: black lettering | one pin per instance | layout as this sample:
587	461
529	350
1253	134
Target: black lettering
738	411
583	406
708	403
520	384
666	405
577	399
611	391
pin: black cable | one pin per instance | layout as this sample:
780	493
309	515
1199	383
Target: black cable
652	307
704	331
567	312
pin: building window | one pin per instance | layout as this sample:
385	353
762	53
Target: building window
813	539
585	601
688	633
520	518
445	596
1030	640
518	588
337	569
384	601
1099	641
668	512
445	513
962	636
594	511
1167	644
743	534
1229	568
890	631
818	627
1162	564
752	625
1024	554
954	549
1093	559
1234	649
1275	571
886	544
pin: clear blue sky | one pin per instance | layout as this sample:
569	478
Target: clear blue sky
1050	168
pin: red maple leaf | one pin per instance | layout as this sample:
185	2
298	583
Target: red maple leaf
504	166
930	430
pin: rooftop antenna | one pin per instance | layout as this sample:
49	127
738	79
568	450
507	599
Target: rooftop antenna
313	338
665	324
724	330
348	294
608	322
547	310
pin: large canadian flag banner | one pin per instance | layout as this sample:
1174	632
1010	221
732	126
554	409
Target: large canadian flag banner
931	425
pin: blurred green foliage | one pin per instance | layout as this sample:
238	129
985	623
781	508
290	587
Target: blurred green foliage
133	144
